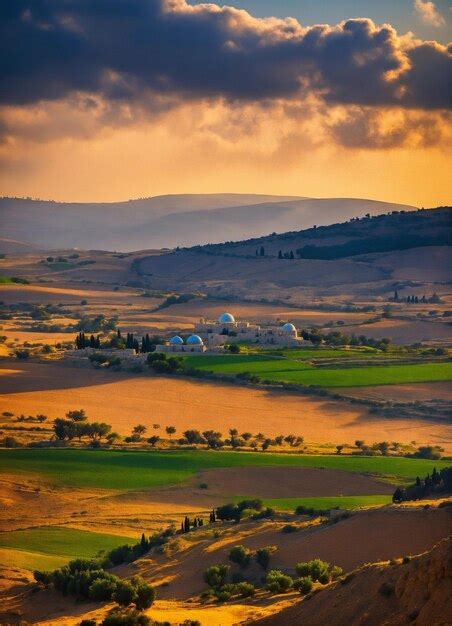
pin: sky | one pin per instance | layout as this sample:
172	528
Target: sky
118	99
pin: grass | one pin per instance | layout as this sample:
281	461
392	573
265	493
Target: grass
51	546
279	369
127	470
328	502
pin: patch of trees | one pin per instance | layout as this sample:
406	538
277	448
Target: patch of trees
369	245
177	299
97	324
162	364
253	509
438	483
188	524
76	426
87	579
337	338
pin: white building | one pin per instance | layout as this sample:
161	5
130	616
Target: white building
194	343
227	330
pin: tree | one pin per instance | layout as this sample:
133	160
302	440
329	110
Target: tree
397	496
339	448
170	430
125	593
144	593
77	416
240	555
303	584
194	436
102	589
280	256
262	251
277	582
139	430
125	617
360	443
215	575
263	555
153	440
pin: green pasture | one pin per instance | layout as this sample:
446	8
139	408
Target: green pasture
52	546
327	502
128	470
280	369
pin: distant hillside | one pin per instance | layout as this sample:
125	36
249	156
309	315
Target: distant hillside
399	230
369	256
415	592
174	220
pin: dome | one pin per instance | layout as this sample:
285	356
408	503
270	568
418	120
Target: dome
176	340
226	318
288	328
195	340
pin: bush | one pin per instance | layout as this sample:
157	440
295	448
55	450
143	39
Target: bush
124	593
277	582
103	589
315	569
303	584
263	555
240	555
245	589
88	622
10	442
122	617
289	528
215	576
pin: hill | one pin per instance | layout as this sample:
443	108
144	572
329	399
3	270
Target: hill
173	220
415	592
367	257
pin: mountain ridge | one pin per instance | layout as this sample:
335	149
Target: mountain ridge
172	220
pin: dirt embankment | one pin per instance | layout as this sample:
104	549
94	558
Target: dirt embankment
417	592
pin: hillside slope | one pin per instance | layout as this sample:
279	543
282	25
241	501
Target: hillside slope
417	592
365	257
170	221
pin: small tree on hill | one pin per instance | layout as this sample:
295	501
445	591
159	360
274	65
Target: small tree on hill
170	430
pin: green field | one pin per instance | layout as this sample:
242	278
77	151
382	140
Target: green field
52	546
327	502
127	470
281	369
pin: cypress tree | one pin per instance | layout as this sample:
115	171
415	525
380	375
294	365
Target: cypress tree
187	524
92	342
280	254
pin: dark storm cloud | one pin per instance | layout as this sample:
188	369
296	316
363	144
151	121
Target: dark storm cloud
125	50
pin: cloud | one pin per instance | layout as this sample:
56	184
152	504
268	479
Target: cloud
428	13
140	51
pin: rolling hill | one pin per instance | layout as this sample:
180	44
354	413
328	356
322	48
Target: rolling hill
173	220
366	257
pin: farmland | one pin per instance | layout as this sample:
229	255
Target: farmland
148	470
303	372
328	502
54	546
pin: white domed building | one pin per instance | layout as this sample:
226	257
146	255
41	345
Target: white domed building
194	343
226	329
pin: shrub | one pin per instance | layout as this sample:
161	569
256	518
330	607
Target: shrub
386	589
10	442
303	584
277	582
102	589
240	555
245	589
88	622
315	569
215	576
125	593
128	617
263	555
289	528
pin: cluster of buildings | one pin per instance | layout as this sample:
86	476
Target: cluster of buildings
213	335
